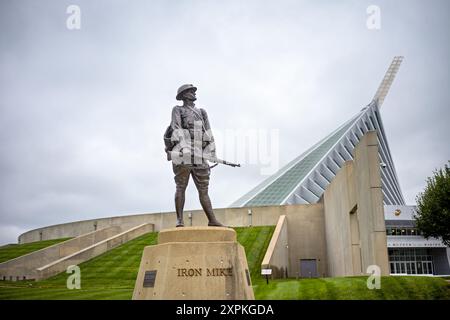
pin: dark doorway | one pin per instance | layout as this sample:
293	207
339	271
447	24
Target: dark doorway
308	268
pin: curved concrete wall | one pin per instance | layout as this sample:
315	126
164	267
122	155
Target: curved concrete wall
232	217
77	228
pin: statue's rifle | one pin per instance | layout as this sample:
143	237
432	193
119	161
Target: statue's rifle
179	154
206	157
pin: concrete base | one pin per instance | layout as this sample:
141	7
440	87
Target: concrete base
194	263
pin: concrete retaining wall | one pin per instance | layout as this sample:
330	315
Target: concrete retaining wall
277	254
90	252
26	267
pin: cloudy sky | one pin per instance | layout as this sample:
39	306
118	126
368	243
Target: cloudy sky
82	111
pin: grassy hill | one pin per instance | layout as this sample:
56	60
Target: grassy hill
354	288
112	275
12	251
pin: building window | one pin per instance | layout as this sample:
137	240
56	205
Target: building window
392	231
410	261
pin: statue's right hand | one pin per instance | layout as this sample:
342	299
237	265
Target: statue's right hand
186	151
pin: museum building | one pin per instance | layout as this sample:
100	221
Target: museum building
337	210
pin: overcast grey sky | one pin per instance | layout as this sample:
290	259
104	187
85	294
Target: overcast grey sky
82	112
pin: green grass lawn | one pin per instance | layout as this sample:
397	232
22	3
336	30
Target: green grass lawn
112	275
255	240
12	251
354	288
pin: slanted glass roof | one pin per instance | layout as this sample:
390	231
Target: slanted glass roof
276	191
303	179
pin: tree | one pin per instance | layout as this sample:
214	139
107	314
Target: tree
433	207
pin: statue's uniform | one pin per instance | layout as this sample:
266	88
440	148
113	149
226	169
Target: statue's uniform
184	118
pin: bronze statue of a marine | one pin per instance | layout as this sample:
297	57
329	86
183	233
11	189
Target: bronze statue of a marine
190	145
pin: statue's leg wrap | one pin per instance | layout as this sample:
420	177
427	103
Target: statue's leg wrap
181	180
201	180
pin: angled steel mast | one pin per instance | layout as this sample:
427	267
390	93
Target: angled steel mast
386	83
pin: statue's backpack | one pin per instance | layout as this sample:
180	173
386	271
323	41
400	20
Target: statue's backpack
169	144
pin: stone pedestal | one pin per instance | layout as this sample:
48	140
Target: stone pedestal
194	263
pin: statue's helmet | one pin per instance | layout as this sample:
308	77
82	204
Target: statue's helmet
183	88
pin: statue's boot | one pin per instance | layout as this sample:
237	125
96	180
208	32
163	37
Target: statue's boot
212	221
207	208
180	222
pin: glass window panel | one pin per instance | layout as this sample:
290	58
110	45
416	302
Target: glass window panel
419	267
425	268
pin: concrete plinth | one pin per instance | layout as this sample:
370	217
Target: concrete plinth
194	263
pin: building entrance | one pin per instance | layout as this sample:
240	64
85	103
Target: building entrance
410	261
